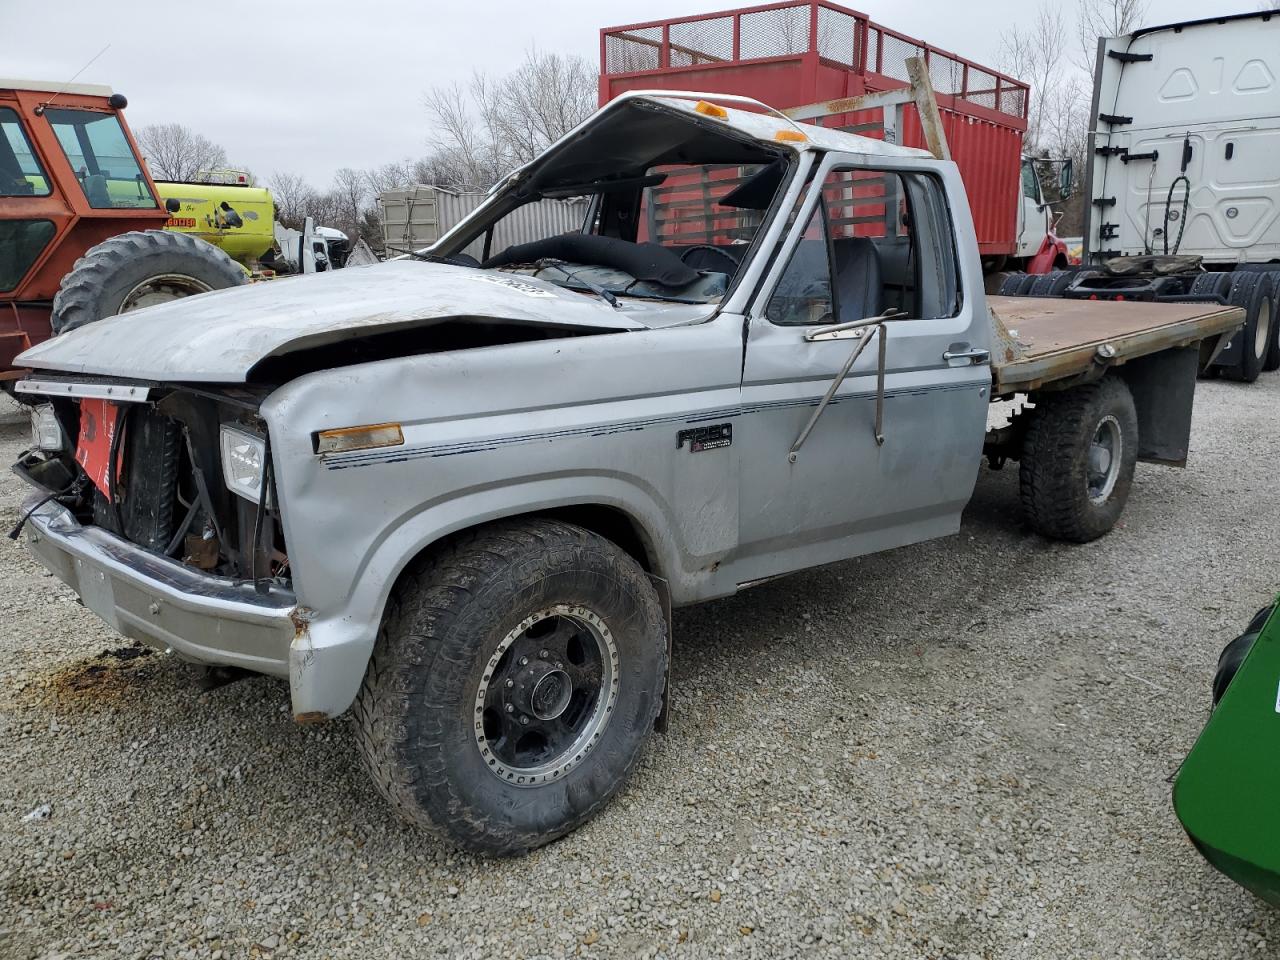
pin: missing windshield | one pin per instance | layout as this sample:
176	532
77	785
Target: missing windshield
667	208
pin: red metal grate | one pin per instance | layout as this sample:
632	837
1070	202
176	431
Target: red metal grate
774	32
633	51
701	41
837	35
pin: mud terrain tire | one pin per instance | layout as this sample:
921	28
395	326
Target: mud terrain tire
457	668
1068	491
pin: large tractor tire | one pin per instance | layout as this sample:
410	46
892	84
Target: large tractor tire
516	676
1252	292
138	269
1078	457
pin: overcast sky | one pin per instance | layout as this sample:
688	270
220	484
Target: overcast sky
309	86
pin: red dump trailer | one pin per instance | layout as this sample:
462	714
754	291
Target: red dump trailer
809	51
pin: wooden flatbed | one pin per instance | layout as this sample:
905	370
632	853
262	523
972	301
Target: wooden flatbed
1040	340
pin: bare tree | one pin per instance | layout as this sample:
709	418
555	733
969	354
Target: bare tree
176	152
493	125
390	176
291	193
351	192
1035	54
1104	18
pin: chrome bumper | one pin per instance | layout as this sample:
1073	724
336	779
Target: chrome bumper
165	604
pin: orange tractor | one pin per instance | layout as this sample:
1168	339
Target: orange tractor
80	219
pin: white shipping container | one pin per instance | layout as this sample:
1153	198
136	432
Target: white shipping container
416	217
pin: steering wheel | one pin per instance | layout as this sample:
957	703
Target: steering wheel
728	258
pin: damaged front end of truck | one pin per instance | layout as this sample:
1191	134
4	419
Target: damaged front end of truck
200	468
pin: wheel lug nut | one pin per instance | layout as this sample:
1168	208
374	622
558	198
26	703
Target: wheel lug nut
545	654
524	720
510	684
510	708
559	665
524	661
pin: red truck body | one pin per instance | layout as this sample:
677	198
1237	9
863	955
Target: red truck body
810	51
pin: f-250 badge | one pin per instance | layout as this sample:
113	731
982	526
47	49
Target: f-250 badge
706	438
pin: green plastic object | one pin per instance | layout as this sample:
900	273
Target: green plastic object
1227	794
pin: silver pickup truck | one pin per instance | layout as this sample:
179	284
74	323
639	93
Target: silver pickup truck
459	493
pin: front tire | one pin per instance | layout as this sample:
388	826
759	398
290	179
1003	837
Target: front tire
516	677
1078	459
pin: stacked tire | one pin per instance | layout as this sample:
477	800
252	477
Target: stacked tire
1050	284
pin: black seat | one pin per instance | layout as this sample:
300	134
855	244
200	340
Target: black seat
859	284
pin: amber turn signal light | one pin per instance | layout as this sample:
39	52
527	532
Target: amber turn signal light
359	438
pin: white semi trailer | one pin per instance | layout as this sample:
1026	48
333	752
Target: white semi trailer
1183	178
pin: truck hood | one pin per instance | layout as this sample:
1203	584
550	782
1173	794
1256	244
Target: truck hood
218	337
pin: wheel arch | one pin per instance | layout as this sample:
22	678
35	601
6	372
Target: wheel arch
329	655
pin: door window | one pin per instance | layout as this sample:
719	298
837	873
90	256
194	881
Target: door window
20	172
877	240
21	241
1030	182
102	158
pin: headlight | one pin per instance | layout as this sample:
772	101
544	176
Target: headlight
46	429
243	458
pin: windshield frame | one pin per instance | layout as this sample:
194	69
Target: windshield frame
506	200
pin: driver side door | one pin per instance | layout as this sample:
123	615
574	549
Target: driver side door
866	240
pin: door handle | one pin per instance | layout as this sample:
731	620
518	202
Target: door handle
972	356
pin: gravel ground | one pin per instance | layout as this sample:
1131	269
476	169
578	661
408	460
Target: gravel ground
959	749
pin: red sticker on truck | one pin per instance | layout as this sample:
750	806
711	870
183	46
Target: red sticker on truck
98	422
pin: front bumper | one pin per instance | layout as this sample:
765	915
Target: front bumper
206	619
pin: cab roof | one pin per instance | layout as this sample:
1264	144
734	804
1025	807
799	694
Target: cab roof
767	126
55	86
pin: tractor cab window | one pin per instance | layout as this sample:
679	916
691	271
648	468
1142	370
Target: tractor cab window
102	158
20	172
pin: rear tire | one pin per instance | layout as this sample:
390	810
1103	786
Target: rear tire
1078	458
1273	353
138	269
1251	292
456	721
1212	285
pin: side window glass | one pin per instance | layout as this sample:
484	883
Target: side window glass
878	240
103	160
21	242
20	172
892	245
871	243
803	295
1030	182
